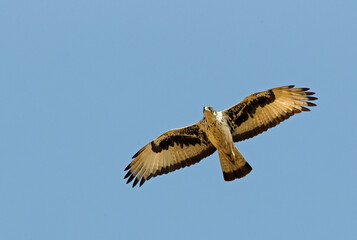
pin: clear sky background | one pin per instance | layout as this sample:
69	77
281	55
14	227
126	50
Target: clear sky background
85	84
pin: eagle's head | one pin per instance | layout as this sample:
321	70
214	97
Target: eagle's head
209	111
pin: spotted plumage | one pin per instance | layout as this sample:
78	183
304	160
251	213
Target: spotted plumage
183	147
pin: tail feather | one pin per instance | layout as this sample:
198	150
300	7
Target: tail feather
237	168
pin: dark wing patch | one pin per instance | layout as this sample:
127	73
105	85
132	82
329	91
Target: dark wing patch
261	111
170	142
247	109
173	150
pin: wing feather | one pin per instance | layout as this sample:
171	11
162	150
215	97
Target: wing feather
173	150
263	110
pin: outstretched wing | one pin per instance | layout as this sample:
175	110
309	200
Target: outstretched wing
261	111
173	150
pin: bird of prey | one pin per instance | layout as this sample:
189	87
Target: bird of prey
183	147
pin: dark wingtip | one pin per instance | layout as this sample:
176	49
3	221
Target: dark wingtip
127	174
127	167
142	181
138	153
135	182
310	104
305	109
130	179
312	98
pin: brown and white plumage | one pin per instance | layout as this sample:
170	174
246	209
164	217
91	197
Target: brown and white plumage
174	149
183	147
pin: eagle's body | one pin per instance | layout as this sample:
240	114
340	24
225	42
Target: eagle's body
219	133
183	147
217	130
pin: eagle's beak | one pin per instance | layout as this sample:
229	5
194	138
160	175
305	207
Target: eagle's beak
205	109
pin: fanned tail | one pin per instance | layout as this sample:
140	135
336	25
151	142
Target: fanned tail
237	168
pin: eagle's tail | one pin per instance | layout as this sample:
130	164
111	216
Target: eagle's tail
234	168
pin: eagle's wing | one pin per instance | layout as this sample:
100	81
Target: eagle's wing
263	110
174	149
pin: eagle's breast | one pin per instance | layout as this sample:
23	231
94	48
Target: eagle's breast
218	132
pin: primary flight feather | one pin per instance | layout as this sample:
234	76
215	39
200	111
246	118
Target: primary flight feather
183	147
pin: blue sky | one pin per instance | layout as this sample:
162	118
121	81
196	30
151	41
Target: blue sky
85	84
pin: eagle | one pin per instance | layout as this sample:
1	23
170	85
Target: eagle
182	147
